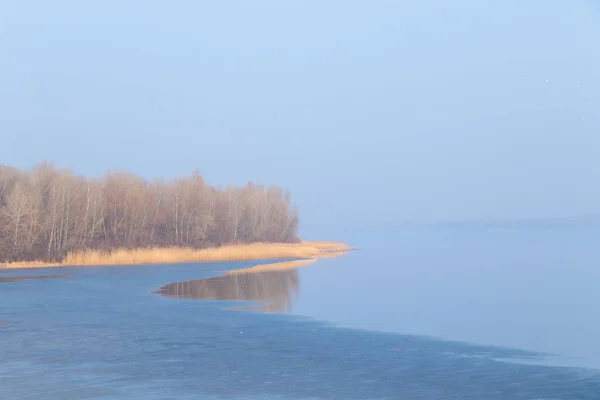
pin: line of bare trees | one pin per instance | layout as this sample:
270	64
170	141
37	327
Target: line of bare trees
46	213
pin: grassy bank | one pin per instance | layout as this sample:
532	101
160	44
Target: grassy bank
255	251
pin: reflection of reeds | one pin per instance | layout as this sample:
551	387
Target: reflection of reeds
274	285
255	251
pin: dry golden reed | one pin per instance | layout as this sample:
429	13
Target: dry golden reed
277	266
254	251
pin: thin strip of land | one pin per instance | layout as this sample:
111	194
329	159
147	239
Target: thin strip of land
275	266
172	255
288	265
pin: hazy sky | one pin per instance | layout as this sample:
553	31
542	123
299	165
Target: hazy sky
365	110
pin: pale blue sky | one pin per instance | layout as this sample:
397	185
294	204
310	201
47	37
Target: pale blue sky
366	110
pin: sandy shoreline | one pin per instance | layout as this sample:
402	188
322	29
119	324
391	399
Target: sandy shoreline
254	251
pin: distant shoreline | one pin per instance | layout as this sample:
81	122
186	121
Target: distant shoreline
173	255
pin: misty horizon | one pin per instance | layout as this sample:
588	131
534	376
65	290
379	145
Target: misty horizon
372	113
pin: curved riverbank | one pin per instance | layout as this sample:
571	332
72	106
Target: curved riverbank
254	251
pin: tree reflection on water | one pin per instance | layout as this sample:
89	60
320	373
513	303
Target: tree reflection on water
273	286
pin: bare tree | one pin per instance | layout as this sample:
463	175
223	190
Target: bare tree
15	215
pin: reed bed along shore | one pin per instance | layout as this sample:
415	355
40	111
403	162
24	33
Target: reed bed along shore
254	251
276	266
